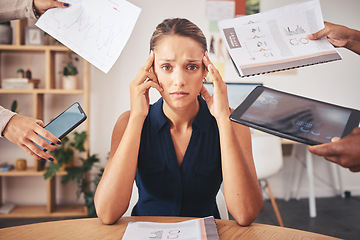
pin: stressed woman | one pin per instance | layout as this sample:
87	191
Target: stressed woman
180	149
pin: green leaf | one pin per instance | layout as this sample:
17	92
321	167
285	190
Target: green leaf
69	68
51	170
73	174
14	106
63	155
79	141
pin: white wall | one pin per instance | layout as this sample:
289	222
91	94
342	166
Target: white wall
336	82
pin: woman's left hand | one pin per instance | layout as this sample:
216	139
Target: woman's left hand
218	103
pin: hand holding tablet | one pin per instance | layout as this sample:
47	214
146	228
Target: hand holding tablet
294	117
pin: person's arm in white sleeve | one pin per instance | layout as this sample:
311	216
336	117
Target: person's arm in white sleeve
18	9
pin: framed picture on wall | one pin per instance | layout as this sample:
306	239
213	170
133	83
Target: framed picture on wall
34	36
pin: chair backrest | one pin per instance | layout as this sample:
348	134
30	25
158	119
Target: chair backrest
267	154
220	200
133	200
221	204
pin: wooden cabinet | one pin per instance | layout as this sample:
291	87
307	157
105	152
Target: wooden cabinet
38	95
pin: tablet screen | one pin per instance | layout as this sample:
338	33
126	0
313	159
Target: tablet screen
297	116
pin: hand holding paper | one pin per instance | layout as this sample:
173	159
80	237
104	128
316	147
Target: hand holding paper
277	39
95	30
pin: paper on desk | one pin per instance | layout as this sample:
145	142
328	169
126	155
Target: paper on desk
95	30
197	229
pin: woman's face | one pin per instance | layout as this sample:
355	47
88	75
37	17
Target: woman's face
179	68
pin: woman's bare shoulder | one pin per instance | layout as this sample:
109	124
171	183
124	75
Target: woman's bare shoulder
122	122
118	131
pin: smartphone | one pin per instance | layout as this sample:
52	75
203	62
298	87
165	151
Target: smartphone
295	117
67	121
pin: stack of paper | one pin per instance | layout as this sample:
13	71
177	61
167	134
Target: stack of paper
17	83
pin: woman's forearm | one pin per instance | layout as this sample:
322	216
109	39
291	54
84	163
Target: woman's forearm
115	188
241	188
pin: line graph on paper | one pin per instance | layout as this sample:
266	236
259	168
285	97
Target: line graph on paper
95	30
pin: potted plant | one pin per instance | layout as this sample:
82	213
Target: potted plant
79	174
5	33
20	73
64	155
86	185
70	72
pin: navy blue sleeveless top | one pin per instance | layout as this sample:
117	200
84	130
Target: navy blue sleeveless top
165	189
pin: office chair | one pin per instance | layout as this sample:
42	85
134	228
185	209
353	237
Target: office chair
268	159
133	200
220	201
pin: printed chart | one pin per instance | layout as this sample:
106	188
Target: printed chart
95	30
277	40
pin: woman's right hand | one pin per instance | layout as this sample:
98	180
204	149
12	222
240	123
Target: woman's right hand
139	89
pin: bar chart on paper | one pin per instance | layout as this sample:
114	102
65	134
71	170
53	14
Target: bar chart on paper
95	30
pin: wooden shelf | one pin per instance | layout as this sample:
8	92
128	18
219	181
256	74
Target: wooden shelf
41	91
33	48
38	99
30	172
41	212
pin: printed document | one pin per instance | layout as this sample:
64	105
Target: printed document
95	30
197	229
277	39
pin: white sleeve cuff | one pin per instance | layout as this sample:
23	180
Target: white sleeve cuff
5	116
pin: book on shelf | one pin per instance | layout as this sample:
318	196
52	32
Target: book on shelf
3	164
277	39
196	229
7	167
19	83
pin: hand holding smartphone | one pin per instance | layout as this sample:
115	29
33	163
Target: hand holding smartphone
64	123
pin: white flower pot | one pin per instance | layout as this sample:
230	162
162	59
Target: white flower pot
69	82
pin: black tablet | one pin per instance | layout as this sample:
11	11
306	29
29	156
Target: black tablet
294	117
